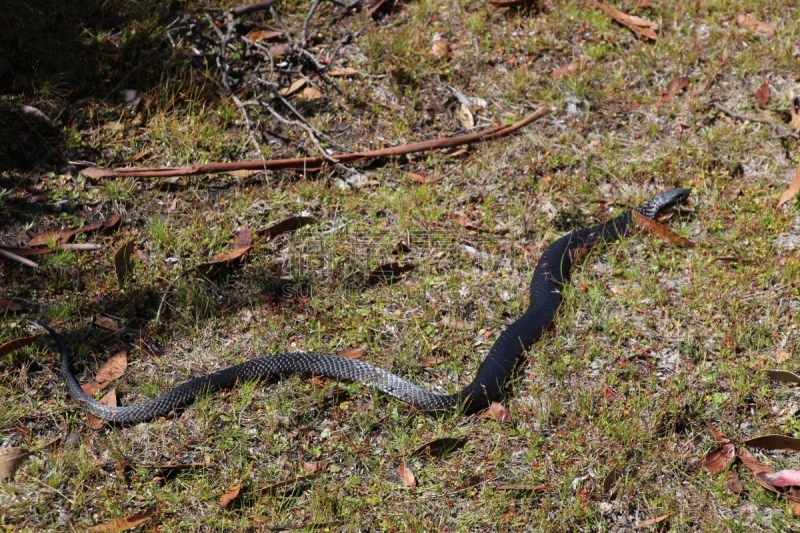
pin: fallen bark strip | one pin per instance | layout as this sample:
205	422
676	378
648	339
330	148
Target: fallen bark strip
314	163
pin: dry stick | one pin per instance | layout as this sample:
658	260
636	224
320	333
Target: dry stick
248	125
782	131
314	163
250	8
15	257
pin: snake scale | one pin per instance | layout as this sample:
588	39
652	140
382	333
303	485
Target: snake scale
549	275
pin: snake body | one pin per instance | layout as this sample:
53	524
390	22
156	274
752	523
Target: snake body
550	274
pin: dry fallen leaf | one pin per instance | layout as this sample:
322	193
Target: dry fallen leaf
16	344
661	231
440	49
113	368
353	353
793	188
106	322
388	273
10	460
719	458
756	467
122	259
343	73
455	323
428	362
109	399
496	411
733	482
564	70
310	468
640	26
774	442
9	305
407	476
439	447
266	35
310	93
293	88
648	523
284	226
611	478
419	178
229	496
469	482
784	375
465	117
731	193
781	478
756	26
521	488
675	86
124	524
762	95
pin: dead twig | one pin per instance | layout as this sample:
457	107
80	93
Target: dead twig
782	132
316	163
19	259
250	8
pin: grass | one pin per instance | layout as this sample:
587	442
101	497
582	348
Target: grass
652	344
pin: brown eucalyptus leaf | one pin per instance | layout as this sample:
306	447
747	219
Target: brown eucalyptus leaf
229	495
439	447
10	460
661	231
762	95
407	476
774	442
756	26
284	226
16	344
793	188
638	25
109	399
124	524
122	259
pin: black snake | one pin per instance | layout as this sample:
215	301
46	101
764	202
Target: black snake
551	271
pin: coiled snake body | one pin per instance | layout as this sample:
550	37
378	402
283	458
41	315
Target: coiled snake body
551	271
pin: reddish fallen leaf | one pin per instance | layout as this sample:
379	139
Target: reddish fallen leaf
9	305
496	411
407	476
733	482
63	236
439	447
317	381
756	467
756	26
793	188
111	223
230	257
661	231
124	524
564	70
637	25
122	259
353	353
719	458
109	399
762	95
284	226
230	495
10	460
781	478
388	273
675	86
774	442
16	344
648	523
244	239
419	178
466	223
293	88
455	153
428	362
469	482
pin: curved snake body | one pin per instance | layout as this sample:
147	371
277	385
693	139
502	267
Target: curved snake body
551	272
